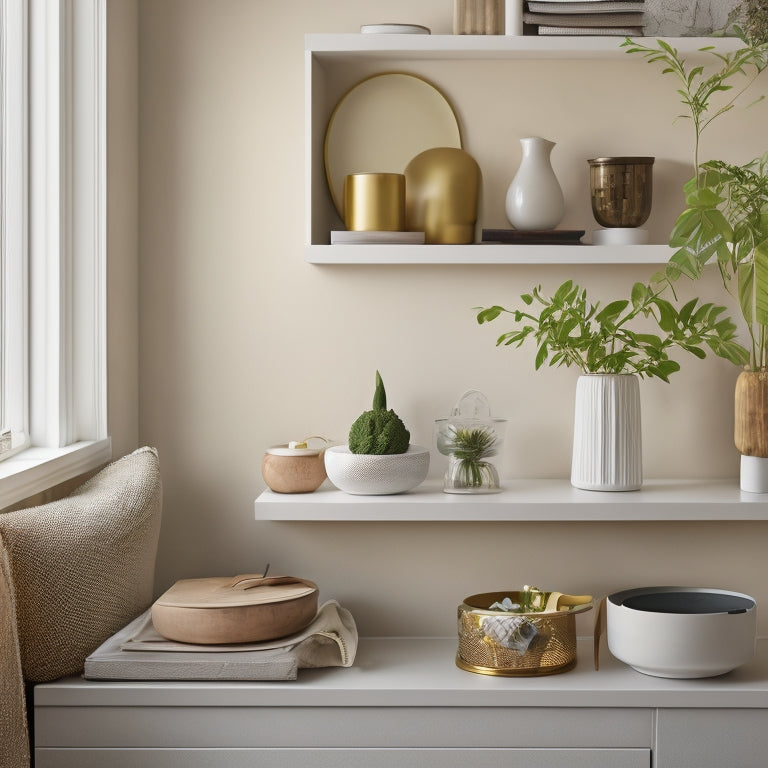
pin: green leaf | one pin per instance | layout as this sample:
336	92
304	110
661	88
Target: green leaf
639	294
489	314
611	311
541	355
563	291
745	275
761	283
667	315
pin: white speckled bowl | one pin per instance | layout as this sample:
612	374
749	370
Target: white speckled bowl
365	474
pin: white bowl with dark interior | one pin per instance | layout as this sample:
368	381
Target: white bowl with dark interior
681	632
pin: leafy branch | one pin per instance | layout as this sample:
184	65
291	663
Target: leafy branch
697	89
569	329
726	218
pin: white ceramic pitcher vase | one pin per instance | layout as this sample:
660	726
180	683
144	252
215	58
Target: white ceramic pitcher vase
534	198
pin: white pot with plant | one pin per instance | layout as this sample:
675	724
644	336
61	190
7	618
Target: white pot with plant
726	223
378	459
612	355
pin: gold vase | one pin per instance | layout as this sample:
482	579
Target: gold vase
442	188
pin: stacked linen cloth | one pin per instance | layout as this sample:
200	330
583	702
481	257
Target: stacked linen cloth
586	17
139	652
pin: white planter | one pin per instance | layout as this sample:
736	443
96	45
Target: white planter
366	474
754	474
607	438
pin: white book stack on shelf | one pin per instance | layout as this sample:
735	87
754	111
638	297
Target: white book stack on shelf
585	17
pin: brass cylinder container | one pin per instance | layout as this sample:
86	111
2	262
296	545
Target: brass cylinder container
552	650
621	189
374	202
750	432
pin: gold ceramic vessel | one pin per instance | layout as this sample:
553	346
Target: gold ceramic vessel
621	190
374	202
442	192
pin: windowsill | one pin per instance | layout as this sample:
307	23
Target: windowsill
37	469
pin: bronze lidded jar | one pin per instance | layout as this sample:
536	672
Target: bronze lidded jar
621	190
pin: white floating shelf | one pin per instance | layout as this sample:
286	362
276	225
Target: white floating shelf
524	500
487	254
338	47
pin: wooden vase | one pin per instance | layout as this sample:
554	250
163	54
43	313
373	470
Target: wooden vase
751	413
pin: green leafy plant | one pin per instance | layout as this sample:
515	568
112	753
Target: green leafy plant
571	330
726	218
471	446
378	431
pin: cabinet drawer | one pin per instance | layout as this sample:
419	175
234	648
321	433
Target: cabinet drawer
344	758
712	738
341	727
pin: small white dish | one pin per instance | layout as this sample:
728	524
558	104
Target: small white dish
620	236
394	29
366	474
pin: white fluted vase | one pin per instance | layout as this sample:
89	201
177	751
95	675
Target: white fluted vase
607	436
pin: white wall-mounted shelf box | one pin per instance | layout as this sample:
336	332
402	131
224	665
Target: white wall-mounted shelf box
335	62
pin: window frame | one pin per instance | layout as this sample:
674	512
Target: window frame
67	254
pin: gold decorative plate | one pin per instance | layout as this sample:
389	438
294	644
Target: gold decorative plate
381	124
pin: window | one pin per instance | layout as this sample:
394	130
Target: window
13	235
53	260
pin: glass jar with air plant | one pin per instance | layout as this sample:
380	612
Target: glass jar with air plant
470	437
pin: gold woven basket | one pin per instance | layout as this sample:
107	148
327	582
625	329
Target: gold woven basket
549	645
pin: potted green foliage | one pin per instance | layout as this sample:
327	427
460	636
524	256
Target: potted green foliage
379	458
610	347
725	222
470	437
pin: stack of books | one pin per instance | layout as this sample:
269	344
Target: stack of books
585	17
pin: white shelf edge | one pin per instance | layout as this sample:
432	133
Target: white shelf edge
487	254
330	46
524	500
421	672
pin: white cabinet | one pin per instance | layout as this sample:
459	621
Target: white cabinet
405	703
335	62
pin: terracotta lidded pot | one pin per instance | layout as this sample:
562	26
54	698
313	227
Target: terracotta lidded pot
294	467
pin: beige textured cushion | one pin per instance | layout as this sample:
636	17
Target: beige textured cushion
83	567
14	741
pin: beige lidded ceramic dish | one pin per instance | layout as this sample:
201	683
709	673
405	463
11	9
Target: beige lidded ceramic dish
289	469
243	609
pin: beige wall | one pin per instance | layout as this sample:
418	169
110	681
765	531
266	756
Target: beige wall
243	345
